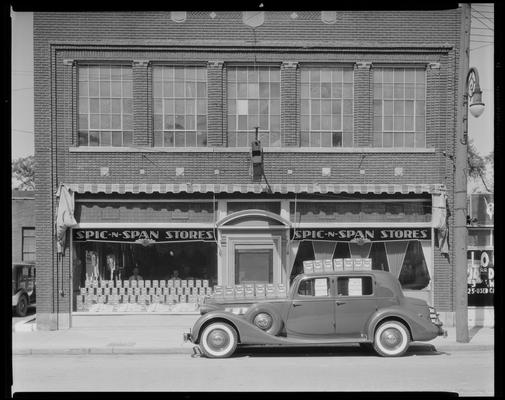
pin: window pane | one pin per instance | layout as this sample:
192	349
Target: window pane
414	273
337	139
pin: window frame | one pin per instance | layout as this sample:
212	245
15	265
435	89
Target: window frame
173	98
330	66
23	237
337	295
393	67
307	297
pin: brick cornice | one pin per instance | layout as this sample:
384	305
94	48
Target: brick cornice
290	64
363	64
141	63
215	63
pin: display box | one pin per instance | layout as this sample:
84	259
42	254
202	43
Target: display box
103	284
170	283
198	283
191	283
87	283
205	283
358	264
367	264
348	264
186	290
184	283
239	292
114	291
338	264
259	290
147	283
308	266
192	299
140	283
83	290
142	298
318	266
249	292
162	283
179	291
281	290
183	299
113	299
110	283
126	284
143	291
122	291
134	283
94	283
328	265
177	283
132	298
118	283
229	292
101	300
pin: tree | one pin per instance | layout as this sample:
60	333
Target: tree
23	173
477	165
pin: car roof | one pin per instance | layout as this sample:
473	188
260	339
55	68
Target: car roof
354	272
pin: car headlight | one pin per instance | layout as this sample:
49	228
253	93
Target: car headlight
263	321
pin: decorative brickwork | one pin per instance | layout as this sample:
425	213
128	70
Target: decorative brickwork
289	104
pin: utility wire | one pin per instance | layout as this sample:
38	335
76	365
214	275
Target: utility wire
22	131
482	22
24	88
489	19
480	47
480	41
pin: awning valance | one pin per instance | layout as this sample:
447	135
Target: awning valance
309	188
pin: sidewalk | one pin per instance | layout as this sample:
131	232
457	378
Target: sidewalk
162	334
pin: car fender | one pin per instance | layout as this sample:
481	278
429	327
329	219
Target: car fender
17	296
247	332
420	328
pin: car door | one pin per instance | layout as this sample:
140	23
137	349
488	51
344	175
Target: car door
312	310
355	302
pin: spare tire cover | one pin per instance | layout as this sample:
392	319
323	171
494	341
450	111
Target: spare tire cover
277	323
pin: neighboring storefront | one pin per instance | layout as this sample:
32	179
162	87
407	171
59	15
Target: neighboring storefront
182	248
480	254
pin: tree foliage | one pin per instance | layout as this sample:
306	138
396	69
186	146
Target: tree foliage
23	173
478	165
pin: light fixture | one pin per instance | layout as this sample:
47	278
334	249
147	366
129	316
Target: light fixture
475	93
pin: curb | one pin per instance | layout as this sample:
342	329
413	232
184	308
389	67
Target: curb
189	350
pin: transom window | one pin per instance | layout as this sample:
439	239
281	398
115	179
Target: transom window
327	107
399	107
180	106
105	105
254	101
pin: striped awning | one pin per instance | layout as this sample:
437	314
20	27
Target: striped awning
122	188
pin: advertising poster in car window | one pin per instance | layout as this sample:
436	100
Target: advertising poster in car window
480	276
321	287
355	287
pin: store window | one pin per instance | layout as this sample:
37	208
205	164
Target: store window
105	105
414	273
327	107
170	274
180	106
399	107
254	100
315	287
271	206
28	244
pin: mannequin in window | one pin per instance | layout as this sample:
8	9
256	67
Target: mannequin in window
136	275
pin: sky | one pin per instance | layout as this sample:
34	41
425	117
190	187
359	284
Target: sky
480	129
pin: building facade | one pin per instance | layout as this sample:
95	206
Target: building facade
147	118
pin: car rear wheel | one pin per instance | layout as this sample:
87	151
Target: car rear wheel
219	340
22	306
391	339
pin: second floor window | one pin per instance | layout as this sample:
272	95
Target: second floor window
327	107
254	100
180	106
399	107
105	106
28	244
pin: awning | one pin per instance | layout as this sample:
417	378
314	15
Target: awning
122	188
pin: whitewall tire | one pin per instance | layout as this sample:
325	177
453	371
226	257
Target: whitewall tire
391	339
218	340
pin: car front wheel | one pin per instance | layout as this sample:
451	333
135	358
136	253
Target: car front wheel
219	340
391	339
22	306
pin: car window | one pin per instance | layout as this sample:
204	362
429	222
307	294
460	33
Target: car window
354	286
315	287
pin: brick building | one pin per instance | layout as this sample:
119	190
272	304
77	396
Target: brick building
148	118
23	226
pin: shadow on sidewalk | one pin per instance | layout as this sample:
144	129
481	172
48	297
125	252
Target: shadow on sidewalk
473	331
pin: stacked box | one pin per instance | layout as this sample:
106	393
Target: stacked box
183	299
87	283
184	283
143	291
270	290
170	298
83	290
259	290
198	283
126	284
141	299
205	283
80	303
239	292
140	283
101	299
110	283
155	283
308	267
113	299
249	291
179	291
94	283
164	291
118	283
191	283
103	284
170	283
367	264
229	292
318	266
134	284
186	290
348	264
163	283
358	264
147	283
328	265
122	291
338	264
281	290
177	283
191	298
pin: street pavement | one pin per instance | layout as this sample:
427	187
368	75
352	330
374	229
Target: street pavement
468	373
162	334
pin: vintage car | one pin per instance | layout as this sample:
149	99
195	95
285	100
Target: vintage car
23	287
321	309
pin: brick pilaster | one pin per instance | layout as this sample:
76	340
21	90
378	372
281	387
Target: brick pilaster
363	105
141	133
216	83
290	114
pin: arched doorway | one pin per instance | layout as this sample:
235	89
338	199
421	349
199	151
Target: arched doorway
253	248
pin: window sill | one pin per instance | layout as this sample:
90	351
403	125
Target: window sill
247	150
